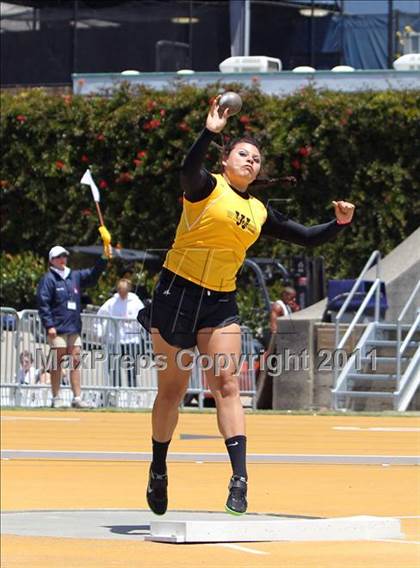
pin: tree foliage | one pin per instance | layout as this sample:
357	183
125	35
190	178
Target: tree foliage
355	146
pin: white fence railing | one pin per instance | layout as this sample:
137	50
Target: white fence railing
117	366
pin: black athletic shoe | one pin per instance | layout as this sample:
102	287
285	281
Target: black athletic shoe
157	492
237	503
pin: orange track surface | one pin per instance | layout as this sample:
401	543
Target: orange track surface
320	490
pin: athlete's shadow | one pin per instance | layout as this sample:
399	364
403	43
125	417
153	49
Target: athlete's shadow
132	530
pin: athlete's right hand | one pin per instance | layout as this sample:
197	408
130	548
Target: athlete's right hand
52	333
215	122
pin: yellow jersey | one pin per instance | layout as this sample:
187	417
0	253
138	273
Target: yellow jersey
213	236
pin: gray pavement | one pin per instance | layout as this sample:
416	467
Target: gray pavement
326	459
125	524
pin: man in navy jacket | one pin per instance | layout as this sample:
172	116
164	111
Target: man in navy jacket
59	293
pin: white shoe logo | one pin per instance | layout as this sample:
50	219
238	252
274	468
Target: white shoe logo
233	444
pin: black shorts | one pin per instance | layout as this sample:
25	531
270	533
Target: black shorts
180	308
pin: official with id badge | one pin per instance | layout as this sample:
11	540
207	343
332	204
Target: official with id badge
60	308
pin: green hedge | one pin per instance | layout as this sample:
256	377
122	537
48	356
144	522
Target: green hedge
20	275
355	146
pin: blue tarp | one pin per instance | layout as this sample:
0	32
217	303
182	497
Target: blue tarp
339	290
237	27
363	40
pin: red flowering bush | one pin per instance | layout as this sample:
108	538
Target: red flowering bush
184	126
151	124
150	105
305	151
355	146
124	177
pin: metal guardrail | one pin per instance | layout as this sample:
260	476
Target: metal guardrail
402	346
117	363
410	381
374	289
9	342
409	384
406	383
350	366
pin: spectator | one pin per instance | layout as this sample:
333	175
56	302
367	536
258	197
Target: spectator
27	374
286	305
123	304
59	305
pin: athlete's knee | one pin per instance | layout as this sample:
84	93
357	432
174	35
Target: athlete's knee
229	387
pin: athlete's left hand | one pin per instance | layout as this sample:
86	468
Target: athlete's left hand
343	211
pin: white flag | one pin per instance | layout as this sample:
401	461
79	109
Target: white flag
88	180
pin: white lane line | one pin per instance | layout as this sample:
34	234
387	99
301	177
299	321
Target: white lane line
75	451
360	429
396	540
409	517
241	548
40	418
394	429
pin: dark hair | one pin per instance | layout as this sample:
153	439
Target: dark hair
227	148
262	180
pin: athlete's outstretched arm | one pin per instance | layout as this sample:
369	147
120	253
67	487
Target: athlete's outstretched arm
279	226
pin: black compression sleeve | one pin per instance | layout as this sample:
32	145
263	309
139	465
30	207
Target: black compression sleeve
196	182
279	226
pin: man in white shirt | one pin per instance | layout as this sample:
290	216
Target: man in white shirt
123	304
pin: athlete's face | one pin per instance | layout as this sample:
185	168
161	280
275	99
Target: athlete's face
242	165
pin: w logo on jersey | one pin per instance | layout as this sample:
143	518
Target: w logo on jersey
241	220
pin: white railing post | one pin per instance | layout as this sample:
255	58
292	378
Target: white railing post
401	347
378	293
376	255
398	355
